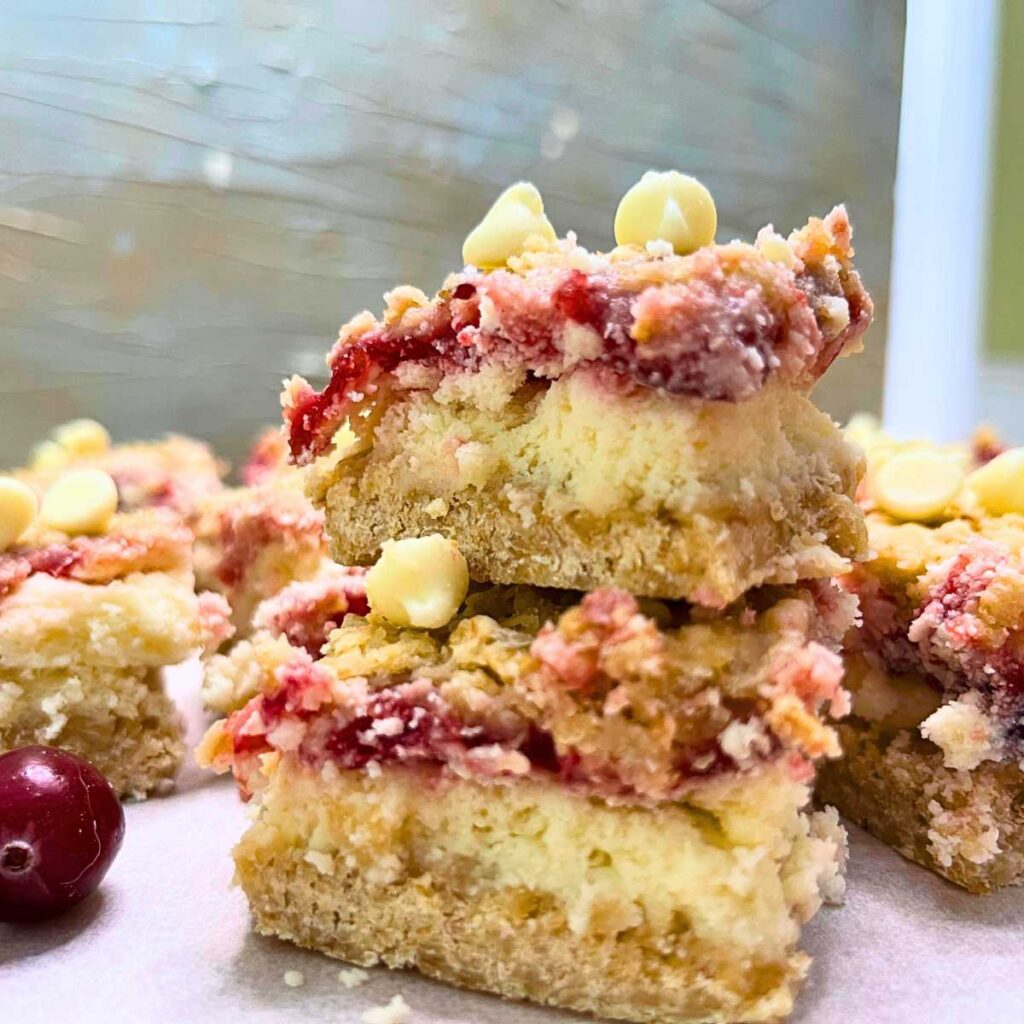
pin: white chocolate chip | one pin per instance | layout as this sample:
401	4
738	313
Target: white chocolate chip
917	485
82	438
670	206
18	508
509	227
48	455
293	979
999	484
80	501
419	581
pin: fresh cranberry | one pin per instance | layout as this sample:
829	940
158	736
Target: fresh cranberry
61	826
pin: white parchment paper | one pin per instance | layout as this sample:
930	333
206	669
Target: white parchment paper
167	939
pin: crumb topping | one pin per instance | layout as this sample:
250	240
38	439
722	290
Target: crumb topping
715	325
242	523
144	541
598	693
177	473
965	635
306	612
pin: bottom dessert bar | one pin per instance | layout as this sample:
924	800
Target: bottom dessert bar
966	826
581	801
689	911
934	748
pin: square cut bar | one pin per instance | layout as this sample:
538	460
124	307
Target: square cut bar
586	802
85	626
633	419
934	747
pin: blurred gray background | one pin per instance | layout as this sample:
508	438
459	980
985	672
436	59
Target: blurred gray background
194	194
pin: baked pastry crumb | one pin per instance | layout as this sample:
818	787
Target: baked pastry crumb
396	1011
353	977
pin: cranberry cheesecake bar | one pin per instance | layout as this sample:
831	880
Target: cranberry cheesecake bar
636	419
591	801
93	603
934	749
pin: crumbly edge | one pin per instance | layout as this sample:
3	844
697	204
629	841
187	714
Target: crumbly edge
271	535
368	898
967	826
119	719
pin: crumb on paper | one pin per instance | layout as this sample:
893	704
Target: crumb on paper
352	977
395	1012
293	979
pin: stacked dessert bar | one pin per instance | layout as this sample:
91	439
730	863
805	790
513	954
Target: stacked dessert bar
934	748
561	747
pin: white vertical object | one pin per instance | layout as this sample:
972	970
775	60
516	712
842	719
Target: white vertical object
940	232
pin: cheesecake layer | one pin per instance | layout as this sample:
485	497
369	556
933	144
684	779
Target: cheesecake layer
573	485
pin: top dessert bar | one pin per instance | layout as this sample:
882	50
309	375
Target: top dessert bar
636	419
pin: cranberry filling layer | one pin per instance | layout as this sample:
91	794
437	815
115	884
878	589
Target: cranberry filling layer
411	723
717	327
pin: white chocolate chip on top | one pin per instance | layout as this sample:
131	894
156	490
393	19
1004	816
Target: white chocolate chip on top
917	485
516	218
80	501
48	455
419	581
18	508
82	437
670	206
999	484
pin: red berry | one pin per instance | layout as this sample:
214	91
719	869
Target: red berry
61	826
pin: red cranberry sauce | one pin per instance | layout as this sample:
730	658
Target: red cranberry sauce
717	334
306	613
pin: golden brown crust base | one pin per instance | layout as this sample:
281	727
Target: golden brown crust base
711	561
966	826
123	723
514	943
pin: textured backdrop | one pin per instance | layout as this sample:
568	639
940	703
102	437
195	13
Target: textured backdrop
195	193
